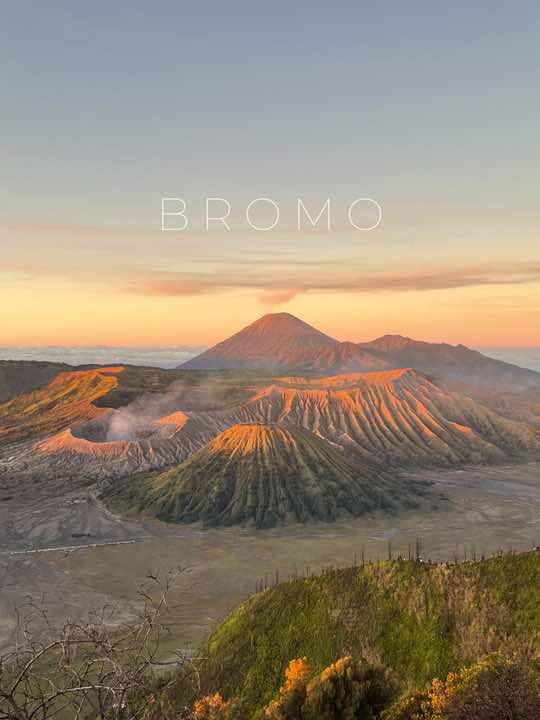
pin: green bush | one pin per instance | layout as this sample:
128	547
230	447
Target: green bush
346	690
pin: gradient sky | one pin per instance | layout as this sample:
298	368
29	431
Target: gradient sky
432	108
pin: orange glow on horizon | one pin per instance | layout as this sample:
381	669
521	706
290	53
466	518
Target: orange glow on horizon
54	313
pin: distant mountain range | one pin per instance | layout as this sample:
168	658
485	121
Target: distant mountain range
282	343
330	424
168	357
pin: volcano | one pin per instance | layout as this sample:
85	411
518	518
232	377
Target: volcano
391	418
282	343
111	422
264	475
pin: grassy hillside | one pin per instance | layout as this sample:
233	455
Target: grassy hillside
265	475
421	621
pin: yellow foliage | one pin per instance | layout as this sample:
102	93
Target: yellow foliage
212	707
339	668
442	692
273	710
343	690
297	673
482	690
292	693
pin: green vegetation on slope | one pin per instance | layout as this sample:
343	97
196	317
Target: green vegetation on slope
495	688
421	621
265	475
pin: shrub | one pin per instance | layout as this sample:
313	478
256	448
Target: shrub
344	691
293	693
211	707
492	689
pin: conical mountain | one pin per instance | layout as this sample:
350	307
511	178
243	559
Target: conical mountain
281	342
264	475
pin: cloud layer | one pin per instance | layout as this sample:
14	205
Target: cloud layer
164	357
276	288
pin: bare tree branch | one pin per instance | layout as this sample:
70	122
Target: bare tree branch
97	669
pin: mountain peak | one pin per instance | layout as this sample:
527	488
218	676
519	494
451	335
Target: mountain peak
249	438
282	343
274	342
283	320
273	317
390	342
288	327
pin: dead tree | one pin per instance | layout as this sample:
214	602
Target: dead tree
102	668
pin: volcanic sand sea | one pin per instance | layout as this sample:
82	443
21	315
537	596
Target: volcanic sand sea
489	508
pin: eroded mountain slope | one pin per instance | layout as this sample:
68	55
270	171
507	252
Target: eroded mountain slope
264	475
394	417
69	398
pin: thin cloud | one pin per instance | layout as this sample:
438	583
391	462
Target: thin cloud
275	288
279	297
179	287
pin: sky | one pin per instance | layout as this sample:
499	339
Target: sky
430	108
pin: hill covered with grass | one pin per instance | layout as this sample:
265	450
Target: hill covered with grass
418	621
265	475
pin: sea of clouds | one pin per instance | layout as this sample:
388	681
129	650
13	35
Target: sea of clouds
170	357
163	357
528	357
